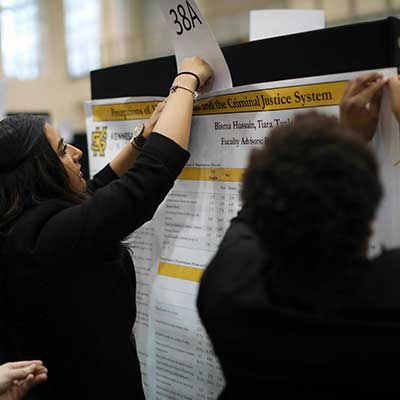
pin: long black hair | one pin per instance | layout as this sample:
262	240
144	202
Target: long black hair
30	170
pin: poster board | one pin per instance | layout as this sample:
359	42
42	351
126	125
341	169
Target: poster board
172	250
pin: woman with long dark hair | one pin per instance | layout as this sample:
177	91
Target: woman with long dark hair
67	283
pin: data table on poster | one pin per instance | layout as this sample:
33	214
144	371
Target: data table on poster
199	220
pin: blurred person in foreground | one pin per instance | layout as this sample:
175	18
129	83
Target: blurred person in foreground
291	302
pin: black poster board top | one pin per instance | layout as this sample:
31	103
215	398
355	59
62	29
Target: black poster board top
347	48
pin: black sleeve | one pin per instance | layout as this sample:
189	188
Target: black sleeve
119	208
234	274
102	178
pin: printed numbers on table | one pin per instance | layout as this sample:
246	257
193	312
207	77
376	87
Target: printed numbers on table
184	17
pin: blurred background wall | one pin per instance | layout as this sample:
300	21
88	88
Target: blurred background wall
48	47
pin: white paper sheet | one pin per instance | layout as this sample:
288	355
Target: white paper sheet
265	24
192	36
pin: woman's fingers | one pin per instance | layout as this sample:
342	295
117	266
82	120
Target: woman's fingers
370	94
18	371
21	372
366	96
358	84
21	364
33	380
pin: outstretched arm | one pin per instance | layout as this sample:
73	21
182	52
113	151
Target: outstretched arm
121	206
175	121
125	158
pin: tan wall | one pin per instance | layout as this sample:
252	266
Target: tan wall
61	97
134	30
54	92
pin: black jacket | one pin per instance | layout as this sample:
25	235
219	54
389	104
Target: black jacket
270	347
70	285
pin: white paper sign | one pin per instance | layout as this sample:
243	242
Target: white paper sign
192	36
265	24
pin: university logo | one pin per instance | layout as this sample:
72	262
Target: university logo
99	141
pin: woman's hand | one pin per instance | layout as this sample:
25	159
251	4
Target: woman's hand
176	119
200	68
17	378
394	90
360	105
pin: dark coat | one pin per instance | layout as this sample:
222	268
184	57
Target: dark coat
270	344
70	285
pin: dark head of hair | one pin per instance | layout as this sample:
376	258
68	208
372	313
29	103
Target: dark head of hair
311	193
30	170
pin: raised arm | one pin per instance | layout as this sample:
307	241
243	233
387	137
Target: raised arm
175	121
120	207
125	158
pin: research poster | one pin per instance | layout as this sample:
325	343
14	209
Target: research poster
172	251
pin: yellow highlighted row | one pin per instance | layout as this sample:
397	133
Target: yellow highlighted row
212	174
180	272
284	98
123	112
292	97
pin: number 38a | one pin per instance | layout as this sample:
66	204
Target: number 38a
184	19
